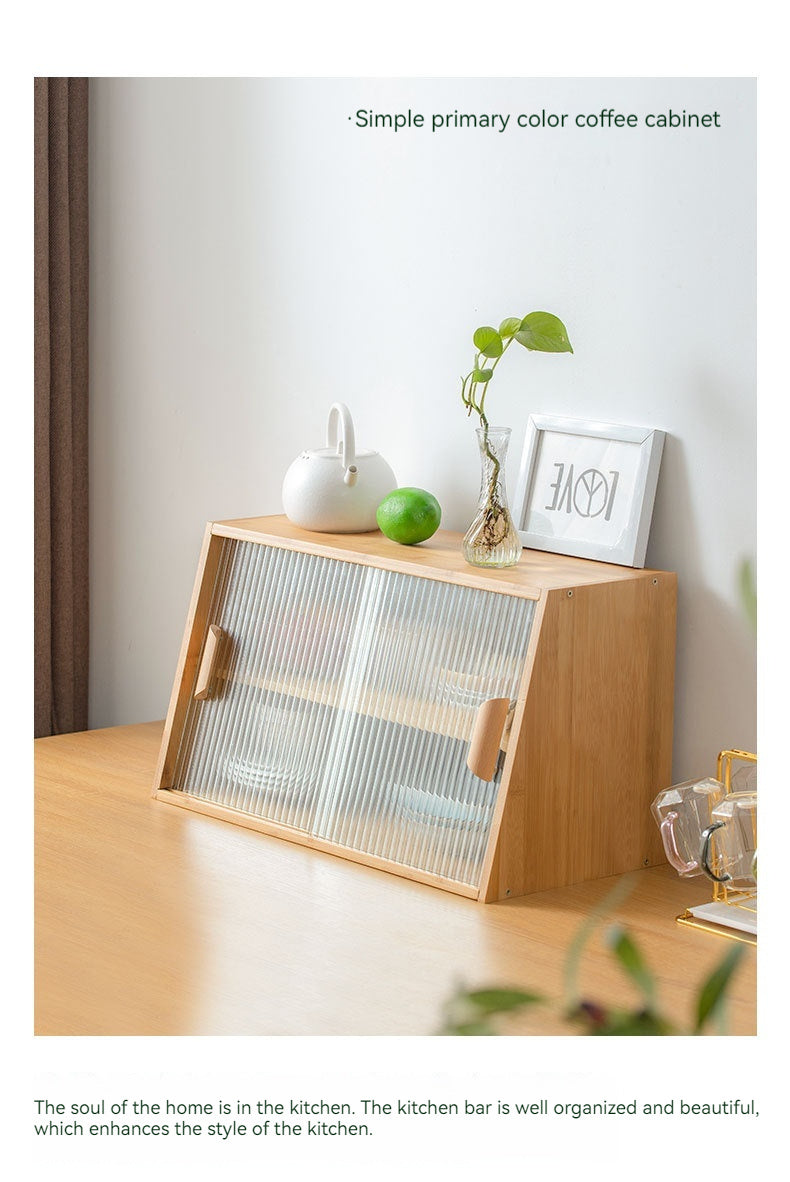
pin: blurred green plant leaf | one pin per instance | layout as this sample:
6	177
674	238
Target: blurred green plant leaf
712	992
747	586
500	1001
608	904
631	959
623	1023
469	1028
470	1011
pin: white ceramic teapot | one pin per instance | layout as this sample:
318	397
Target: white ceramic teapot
337	489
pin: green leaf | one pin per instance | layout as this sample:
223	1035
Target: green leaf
596	1020
628	1025
711	995
631	960
509	327
619	891
482	375
469	1028
748	590
500	1001
544	333
488	341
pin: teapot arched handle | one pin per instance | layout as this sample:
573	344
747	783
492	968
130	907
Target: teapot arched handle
340	434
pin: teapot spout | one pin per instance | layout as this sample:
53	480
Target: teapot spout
350	475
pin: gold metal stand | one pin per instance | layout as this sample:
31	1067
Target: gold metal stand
713	917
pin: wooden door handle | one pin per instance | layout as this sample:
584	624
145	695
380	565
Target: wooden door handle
211	647
486	737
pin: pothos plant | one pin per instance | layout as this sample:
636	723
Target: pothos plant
540	332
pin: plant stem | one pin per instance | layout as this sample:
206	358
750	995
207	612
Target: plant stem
485	387
469	400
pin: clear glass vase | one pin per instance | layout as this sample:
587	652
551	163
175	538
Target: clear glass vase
491	539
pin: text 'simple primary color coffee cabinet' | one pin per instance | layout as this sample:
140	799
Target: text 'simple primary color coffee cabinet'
491	732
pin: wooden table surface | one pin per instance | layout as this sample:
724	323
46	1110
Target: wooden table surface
153	920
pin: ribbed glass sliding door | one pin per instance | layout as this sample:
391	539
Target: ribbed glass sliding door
344	702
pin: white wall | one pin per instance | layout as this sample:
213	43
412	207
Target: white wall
256	256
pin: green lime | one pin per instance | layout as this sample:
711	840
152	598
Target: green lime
409	515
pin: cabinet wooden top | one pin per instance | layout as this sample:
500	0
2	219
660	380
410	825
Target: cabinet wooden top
440	557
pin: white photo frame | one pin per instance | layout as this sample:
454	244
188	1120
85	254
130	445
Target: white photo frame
587	488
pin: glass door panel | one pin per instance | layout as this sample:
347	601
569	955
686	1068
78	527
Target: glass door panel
345	701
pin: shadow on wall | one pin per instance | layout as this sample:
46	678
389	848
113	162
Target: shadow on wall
719	691
716	672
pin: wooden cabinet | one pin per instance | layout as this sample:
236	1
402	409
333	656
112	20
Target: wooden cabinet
489	732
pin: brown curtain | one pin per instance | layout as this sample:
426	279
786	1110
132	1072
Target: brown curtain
61	405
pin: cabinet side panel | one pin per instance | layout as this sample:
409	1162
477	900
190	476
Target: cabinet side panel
595	745
191	645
